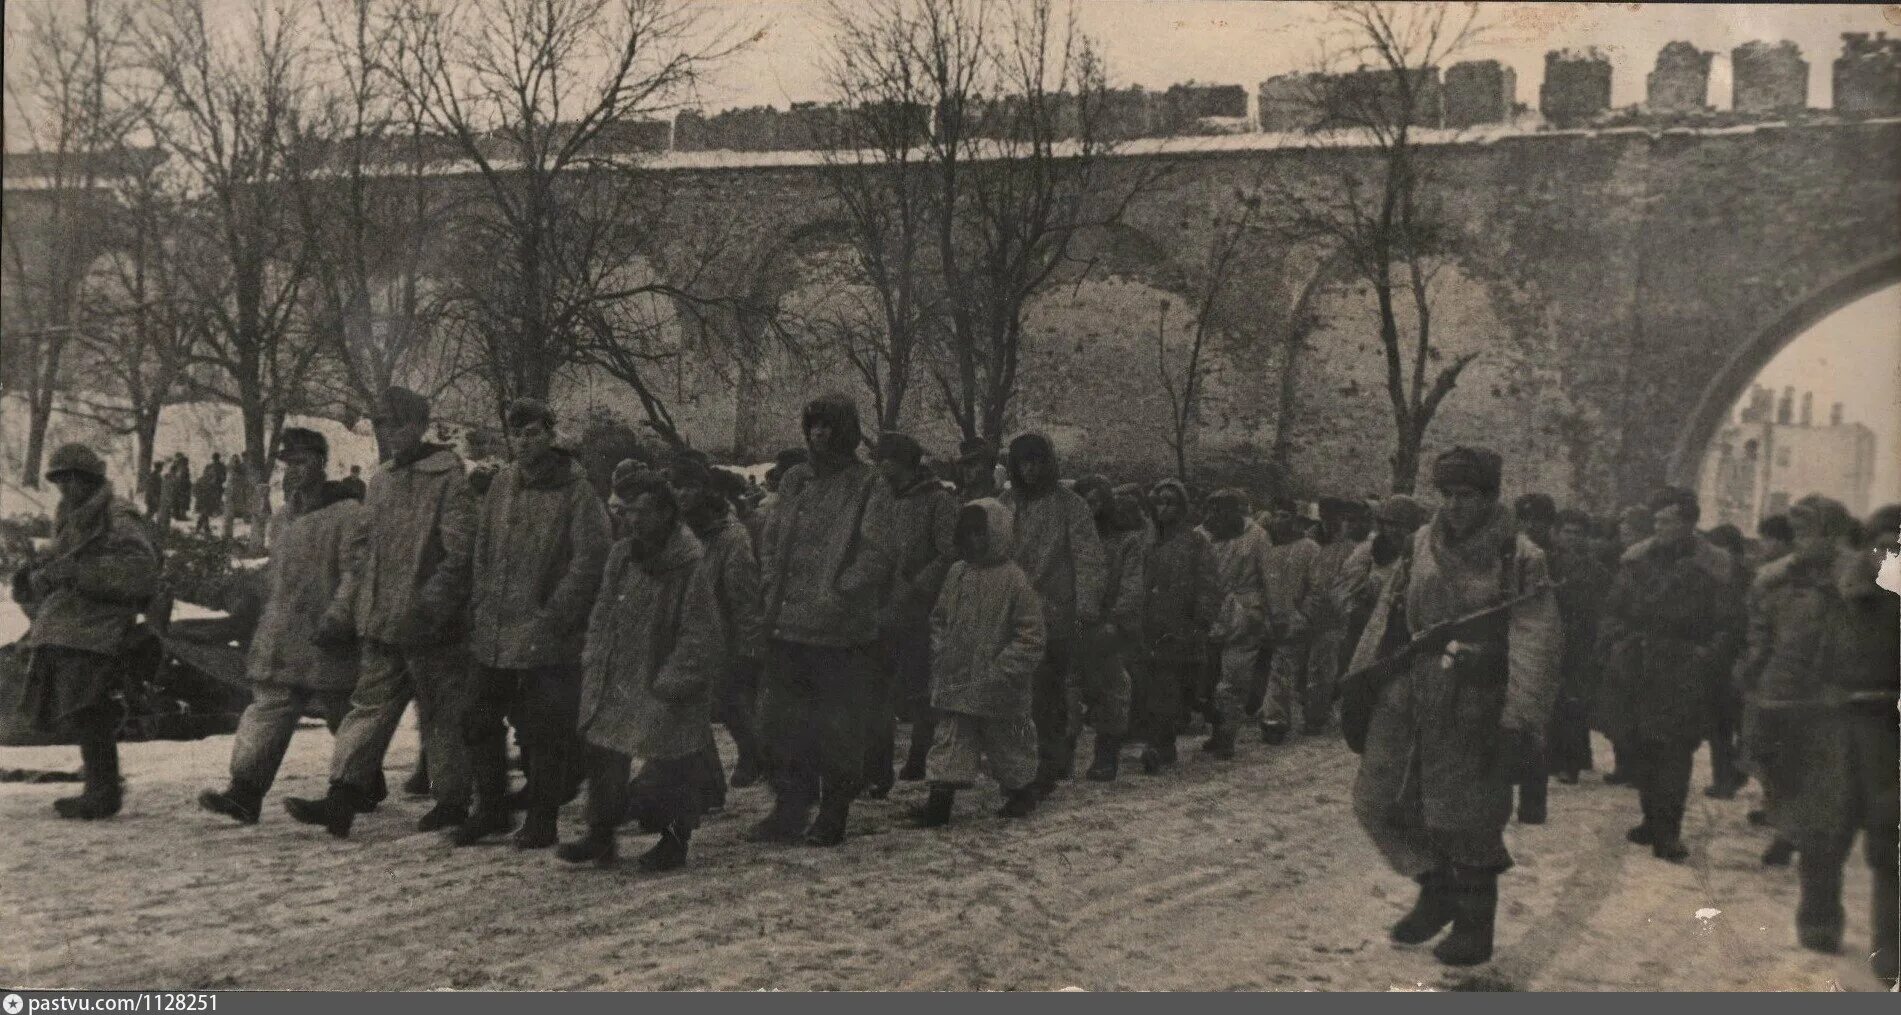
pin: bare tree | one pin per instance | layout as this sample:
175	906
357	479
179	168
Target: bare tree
60	88
875	159
370	216
1373	206
227	109
138	328
545	100
958	233
1182	365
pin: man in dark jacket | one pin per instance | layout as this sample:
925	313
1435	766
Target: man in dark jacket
923	523
1673	618
155	492
1537	516
733	572
83	601
289	672
1101	694
826	565
541	539
1057	546
1584	582
404	600
1820	674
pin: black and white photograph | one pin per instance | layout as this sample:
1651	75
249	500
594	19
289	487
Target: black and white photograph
948	495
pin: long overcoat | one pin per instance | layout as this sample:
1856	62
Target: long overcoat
541	541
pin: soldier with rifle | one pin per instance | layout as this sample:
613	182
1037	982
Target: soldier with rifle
1467	636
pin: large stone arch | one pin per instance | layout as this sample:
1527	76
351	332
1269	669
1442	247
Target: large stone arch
1734	378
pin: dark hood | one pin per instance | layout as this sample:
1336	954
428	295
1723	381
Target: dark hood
842	414
1026	444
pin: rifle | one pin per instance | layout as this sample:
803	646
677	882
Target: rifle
1359	689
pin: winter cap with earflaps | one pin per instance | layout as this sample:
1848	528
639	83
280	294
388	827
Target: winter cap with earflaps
1478	468
842	413
898	447
1825	513
523	411
626	473
1402	510
400	405
298	440
75	458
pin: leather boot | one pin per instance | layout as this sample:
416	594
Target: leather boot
1475	898
1107	761
1018	803
490	817
443	816
1066	769
828	829
786	824
239	803
538	830
1819	915
936	810
336	810
670	852
1221	744
921	732
1430	914
745	773
102	795
1779	853
418	782
1274	733
596	847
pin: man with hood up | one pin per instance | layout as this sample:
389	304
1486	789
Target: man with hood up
826	566
923	518
1240	550
404	599
1100	694
1057	546
986	640
289	671
1449	735
541	539
82	602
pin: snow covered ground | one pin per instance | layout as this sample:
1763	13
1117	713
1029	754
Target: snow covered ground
1250	875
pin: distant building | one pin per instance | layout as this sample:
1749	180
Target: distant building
1480	91
1291	102
1577	87
1769	77
1681	81
1772	456
1868	75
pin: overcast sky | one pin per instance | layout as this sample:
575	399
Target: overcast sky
1156	43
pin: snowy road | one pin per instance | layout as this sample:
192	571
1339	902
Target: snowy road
1250	875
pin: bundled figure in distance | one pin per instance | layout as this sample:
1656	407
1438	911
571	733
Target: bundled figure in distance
82	602
404	601
1670	627
1290	589
733	571
290	671
1181	602
541	538
986	644
1100	696
653	655
923	516
1462	706
1057	546
208	497
1240	552
1821	676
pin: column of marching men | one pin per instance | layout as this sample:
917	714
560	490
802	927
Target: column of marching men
1481	645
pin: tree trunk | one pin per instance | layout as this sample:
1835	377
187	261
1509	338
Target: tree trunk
1406	461
39	414
145	438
